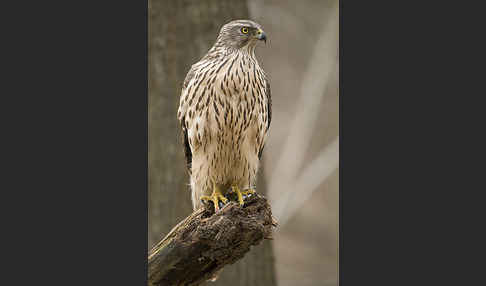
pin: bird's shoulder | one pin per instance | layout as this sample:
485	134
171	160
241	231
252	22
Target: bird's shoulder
190	75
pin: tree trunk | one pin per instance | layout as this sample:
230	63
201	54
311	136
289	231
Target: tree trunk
180	33
205	242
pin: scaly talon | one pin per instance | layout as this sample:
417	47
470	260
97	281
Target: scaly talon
215	197
240	194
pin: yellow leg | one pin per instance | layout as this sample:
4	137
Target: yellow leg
240	194
215	197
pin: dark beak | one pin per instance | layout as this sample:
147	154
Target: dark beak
261	36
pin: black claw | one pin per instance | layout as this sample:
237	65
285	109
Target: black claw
220	204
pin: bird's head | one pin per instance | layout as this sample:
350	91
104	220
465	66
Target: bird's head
241	33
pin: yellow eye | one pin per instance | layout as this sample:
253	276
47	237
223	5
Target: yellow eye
244	30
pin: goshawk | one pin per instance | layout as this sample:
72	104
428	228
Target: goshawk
225	112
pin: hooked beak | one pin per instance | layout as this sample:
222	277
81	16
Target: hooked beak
261	35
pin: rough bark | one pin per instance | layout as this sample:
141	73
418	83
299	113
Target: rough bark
205	242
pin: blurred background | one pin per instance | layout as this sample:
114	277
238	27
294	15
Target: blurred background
300	173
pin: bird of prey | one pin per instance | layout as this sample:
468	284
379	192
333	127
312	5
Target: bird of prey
225	112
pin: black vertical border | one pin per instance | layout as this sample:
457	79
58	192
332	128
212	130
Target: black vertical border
75	187
408	214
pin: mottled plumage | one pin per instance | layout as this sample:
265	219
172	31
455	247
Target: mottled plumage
225	113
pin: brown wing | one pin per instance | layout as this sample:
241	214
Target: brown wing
269	104
268	94
187	147
182	120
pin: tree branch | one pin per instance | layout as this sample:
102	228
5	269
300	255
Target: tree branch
204	242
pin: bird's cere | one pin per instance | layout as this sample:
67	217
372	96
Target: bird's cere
261	35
